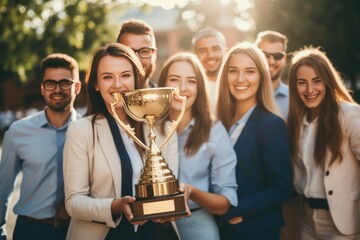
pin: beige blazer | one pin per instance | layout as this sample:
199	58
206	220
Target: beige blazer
344	178
92	177
342	181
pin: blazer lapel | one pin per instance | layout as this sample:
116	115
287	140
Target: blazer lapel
242	139
111	155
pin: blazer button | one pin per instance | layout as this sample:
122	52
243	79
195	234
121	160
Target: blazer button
327	173
330	192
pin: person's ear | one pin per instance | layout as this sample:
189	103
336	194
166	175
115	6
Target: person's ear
77	87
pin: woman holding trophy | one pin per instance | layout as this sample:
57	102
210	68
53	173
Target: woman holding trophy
247	108
101	162
207	159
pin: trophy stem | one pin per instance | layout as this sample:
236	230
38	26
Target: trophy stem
156	177
153	149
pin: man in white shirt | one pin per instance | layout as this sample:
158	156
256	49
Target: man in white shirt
210	47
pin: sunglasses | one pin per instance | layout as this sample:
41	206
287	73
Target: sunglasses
276	56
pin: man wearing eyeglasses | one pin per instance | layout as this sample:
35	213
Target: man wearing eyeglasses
140	37
34	146
274	45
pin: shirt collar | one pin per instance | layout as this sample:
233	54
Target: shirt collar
306	122
43	121
190	125
281	89
243	119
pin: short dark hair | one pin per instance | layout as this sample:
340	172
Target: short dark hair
271	36
136	26
60	60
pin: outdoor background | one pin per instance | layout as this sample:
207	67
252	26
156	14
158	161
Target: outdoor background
32	29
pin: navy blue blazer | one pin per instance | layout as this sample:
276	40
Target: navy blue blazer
263	173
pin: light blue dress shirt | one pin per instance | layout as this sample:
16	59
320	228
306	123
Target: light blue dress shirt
281	94
212	167
34	147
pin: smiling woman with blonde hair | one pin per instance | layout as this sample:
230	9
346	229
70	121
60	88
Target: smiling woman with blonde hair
247	108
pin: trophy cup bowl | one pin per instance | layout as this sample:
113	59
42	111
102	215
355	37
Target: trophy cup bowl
157	192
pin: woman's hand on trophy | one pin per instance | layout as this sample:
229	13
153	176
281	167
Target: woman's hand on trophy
186	189
211	202
122	205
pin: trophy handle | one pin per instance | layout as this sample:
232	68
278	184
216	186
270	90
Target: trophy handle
175	124
126	127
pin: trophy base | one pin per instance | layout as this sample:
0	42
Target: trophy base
159	207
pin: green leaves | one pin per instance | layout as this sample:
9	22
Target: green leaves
30	30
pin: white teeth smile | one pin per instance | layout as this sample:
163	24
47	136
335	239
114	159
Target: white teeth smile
311	96
57	97
241	87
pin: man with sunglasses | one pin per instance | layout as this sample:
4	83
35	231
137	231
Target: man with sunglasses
34	146
140	37
274	45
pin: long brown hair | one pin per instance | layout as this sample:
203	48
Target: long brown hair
200	109
264	97
329	134
96	105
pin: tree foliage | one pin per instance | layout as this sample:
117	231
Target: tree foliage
30	30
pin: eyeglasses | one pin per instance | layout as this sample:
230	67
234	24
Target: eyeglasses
276	56
65	84
144	52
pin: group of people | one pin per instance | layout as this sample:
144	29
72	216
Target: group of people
247	144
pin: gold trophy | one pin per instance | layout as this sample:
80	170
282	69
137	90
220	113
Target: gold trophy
157	192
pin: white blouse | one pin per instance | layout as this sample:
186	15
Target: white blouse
309	174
